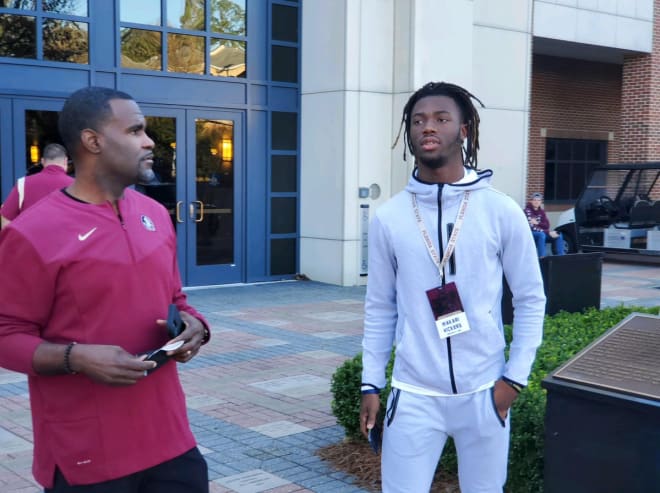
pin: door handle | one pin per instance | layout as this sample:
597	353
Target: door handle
178	211
201	211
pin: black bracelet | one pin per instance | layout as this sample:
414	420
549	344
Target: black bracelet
67	355
514	385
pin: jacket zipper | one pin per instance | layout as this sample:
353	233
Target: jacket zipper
449	356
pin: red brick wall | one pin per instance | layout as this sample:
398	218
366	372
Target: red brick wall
578	98
640	102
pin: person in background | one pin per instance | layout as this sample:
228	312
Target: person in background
103	420
540	225
31	189
437	254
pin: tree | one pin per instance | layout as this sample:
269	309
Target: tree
18	37
227	17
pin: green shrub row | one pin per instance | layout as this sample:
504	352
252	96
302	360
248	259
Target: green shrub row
564	335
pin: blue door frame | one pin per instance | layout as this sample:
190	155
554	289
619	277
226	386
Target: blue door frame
7	177
188	213
197	274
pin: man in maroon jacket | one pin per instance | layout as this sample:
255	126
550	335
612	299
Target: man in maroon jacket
31	189
103	422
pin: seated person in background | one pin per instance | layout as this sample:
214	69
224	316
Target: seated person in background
540	225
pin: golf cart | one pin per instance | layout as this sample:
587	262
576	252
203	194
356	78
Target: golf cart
618	213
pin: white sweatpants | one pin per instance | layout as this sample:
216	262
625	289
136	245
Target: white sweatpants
418	429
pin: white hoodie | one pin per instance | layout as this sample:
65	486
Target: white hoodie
495	239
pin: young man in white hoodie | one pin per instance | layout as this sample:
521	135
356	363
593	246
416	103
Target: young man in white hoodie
437	298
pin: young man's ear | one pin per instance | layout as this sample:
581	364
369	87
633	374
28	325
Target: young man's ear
89	139
464	131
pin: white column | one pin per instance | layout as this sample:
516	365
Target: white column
502	46
346	129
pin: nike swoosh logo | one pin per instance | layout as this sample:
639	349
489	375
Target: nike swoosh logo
86	235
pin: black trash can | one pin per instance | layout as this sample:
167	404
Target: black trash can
571	283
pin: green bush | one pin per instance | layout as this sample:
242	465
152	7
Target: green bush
565	334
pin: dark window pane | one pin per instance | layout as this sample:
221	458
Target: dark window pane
282	256
577	179
284	174
563	150
283	215
148	11
566	178
141	49
70	7
65	41
550	150
563	182
285	23
550	182
215	188
185	53
284	131
284	64
40	130
594	151
19	4
579	150
228	17
18	36
186	14
227	58
162	187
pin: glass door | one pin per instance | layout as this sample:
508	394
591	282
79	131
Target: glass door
163	128
196	176
39	120
27	126
213	184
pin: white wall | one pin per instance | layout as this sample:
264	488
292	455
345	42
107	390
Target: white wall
623	24
346	119
501	59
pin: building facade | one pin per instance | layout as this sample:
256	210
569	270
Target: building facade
566	84
218	81
274	120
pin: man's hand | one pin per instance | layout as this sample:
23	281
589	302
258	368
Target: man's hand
368	412
110	365
504	395
192	335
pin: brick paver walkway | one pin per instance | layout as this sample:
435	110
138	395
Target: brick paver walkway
258	394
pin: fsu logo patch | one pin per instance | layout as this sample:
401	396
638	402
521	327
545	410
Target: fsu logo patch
147	223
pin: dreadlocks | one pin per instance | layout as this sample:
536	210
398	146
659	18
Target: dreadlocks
463	99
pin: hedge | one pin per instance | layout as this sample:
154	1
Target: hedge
564	335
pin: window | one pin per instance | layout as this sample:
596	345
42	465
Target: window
204	37
284	43
283	193
568	165
53	30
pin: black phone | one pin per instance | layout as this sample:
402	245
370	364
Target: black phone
160	355
375	437
174	323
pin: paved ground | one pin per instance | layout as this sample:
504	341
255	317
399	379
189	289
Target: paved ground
258	395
